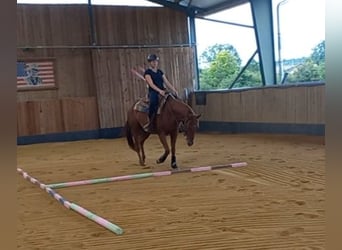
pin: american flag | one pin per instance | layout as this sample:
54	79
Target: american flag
35	73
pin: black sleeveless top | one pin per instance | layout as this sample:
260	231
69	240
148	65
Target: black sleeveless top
157	78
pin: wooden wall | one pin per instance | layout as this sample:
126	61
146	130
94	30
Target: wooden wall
117	88
96	87
57	116
302	104
99	79
142	25
47	25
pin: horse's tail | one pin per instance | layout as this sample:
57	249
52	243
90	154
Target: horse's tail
129	136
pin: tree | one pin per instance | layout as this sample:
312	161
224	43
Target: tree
313	69
318	54
221	64
251	77
307	72
221	72
210	53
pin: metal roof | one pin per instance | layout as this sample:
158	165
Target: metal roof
200	7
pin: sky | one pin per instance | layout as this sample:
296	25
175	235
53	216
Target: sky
302	26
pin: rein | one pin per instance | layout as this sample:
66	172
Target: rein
185	119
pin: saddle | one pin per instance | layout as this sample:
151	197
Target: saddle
142	106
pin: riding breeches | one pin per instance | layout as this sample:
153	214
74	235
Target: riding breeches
154	99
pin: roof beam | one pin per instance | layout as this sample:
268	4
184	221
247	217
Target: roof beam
263	22
220	7
190	11
225	22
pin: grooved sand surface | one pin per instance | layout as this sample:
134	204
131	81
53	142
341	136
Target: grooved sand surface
276	202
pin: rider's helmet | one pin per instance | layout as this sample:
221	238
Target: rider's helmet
152	57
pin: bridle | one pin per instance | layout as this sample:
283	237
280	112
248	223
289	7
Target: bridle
185	121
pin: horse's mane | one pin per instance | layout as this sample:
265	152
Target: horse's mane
179	100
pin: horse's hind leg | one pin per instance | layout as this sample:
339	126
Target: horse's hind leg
140	150
162	139
143	157
141	161
173	150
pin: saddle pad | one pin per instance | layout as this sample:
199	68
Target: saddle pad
142	105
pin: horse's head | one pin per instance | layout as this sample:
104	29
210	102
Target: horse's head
189	127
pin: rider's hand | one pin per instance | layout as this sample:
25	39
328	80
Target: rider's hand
162	92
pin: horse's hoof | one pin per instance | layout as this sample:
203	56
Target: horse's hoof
161	159
174	165
142	163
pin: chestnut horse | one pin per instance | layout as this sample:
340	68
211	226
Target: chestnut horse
172	113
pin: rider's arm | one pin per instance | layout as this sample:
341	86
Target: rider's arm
169	84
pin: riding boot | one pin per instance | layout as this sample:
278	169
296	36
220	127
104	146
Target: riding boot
149	126
152	123
146	127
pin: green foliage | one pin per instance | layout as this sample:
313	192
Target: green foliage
210	54
313	69
221	72
223	65
318	54
309	71
251	77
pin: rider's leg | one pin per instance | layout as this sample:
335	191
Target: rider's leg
153	96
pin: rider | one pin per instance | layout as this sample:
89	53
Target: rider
155	79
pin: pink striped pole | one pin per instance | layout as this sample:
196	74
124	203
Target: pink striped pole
143	175
73	206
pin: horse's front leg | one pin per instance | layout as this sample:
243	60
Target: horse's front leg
143	157
139	148
173	149
162	138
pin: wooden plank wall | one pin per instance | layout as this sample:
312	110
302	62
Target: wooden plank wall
99	79
52	24
302	104
117	88
57	116
140	26
47	25
74	76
